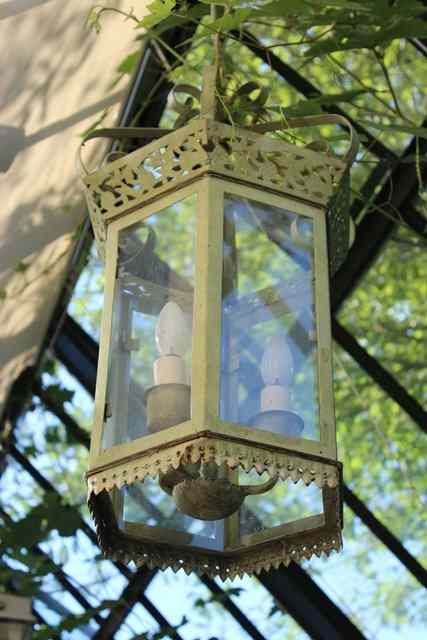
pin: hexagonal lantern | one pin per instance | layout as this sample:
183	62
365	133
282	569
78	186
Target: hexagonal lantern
214	445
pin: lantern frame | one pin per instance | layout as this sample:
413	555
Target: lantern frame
210	159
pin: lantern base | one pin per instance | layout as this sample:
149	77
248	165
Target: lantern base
230	547
167	405
285	423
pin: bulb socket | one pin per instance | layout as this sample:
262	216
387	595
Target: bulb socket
167	405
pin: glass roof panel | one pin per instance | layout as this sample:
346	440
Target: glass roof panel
388	310
371	586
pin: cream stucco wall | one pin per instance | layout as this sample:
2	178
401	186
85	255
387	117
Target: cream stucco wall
55	82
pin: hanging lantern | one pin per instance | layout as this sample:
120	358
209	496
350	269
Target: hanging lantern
16	619
214	444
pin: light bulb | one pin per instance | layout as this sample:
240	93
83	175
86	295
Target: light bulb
173	330
277	366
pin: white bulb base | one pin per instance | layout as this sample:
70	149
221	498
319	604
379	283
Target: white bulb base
275	398
169	370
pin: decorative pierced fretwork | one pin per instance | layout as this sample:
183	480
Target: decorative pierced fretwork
204	147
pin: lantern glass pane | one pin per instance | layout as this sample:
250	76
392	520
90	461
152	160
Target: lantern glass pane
284	504
147	504
148	386
268	335
145	510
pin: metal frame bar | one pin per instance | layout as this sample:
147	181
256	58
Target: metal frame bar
358	507
142	577
111	623
59	574
387	538
298	594
382	377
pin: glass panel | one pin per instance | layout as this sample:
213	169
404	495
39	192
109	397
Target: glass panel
204	613
381	446
146	503
150	352
285	503
387	311
268	341
149	510
380	596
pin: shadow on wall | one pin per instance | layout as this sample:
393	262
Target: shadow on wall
14	7
13	139
55	52
59	44
61	211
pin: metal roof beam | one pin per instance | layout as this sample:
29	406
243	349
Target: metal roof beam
382	377
358	507
385	535
233	609
377	225
297	592
59	574
143	576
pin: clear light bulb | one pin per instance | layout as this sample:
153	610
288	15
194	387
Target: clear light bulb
173	331
277	365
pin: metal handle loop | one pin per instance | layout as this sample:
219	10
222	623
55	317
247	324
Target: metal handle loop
125	133
309	121
118	133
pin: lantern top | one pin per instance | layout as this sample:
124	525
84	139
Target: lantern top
205	146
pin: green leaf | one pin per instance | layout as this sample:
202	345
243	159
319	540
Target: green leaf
53	434
232	20
158	10
303	108
220	3
280	8
51	514
59	394
21	267
74	621
344	39
93	20
334	98
129	63
174	20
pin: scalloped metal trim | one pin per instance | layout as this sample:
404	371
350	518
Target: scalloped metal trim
117	546
287	465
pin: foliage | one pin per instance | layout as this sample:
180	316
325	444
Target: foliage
51	514
71	622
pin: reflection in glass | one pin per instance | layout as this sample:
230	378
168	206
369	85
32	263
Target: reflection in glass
268	333
150	351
